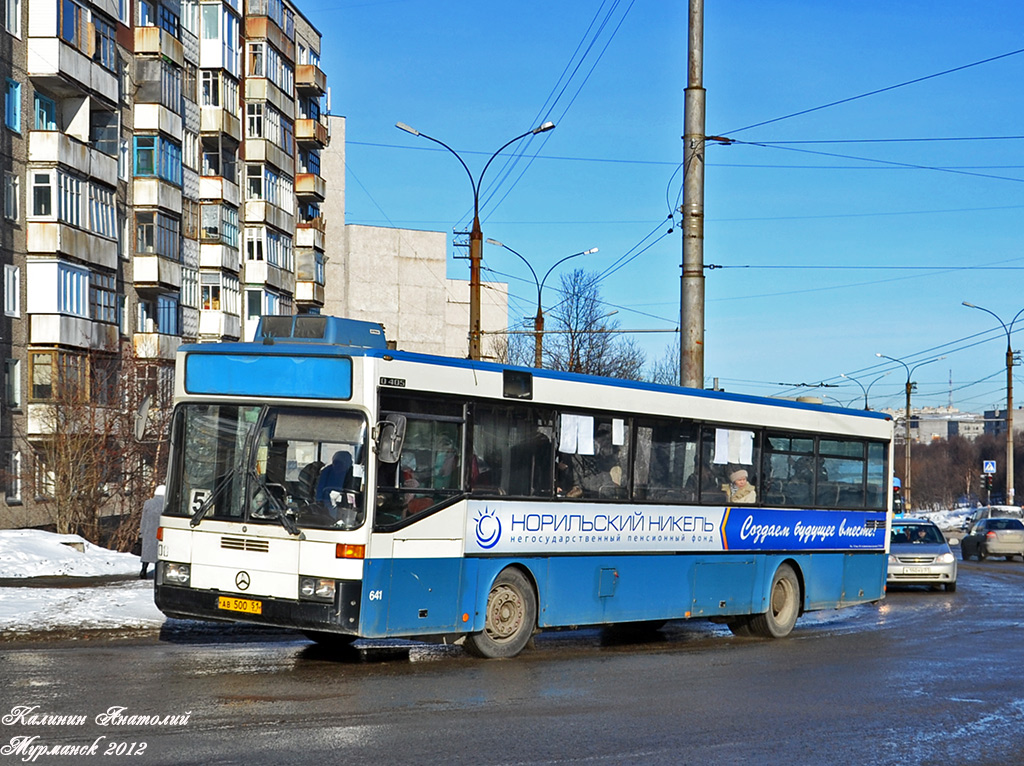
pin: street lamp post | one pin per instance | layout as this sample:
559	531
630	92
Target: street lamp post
862	388
906	424
1008	329
476	235
538	320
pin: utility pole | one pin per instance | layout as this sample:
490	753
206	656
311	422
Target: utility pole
691	304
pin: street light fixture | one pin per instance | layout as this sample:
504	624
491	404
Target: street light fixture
862	388
906	424
538	320
1009	396
476	235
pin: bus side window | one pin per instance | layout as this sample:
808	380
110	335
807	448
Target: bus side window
665	467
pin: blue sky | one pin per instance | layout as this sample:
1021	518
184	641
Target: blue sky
833	252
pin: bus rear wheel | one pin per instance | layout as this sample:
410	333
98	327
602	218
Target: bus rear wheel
783	606
509	618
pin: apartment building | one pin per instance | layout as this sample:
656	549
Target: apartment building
161	185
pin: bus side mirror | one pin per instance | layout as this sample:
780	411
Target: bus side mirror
389	436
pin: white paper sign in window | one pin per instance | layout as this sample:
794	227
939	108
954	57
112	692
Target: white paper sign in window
732	446
577	435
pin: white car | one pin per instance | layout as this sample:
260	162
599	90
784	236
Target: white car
920	555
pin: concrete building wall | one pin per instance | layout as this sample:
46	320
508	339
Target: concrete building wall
398	277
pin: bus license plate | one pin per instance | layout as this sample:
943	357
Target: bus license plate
240	605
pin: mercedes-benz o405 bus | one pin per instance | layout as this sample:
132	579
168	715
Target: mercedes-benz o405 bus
323	482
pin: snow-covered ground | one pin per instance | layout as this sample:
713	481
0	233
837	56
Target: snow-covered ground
947	521
121	600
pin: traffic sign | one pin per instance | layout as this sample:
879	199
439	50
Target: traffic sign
988	466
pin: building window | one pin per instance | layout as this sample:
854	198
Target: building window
266	244
12	203
157	234
13	478
12	17
41	374
211	18
71	23
12	383
103	132
190	287
72	291
46	112
12	291
168	21
12	105
158	156
254	120
211	85
45	481
106	44
162	316
220	292
147	14
102	211
103	298
69	207
42	195
219	224
309	162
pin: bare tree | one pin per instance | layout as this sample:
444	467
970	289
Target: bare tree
581	337
87	469
665	370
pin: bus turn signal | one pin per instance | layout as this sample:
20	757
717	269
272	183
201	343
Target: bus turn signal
347	551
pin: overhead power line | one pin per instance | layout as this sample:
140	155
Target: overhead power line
876	92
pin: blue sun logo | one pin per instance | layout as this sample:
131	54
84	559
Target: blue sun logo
488	528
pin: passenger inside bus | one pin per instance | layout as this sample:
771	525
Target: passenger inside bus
739	491
337	477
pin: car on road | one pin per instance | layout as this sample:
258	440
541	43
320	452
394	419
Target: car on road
920	555
994	537
993	511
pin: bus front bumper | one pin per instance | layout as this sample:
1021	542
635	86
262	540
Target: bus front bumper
341	616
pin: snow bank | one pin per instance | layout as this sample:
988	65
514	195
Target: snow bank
113	606
947	520
34	553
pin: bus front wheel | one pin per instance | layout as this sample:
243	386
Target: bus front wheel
783	606
509	619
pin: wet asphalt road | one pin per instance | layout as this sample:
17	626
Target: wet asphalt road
922	678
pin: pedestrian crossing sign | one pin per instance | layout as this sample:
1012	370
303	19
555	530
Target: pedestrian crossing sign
988	466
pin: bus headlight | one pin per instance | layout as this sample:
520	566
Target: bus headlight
177	574
316	589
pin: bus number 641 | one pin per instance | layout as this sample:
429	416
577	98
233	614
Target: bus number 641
376	595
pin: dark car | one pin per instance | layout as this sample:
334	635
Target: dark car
994	537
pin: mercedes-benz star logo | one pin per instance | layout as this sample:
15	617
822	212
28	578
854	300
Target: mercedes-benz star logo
242	580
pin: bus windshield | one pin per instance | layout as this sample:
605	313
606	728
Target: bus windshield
300	467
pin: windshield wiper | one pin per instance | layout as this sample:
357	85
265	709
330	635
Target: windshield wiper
208	503
279	512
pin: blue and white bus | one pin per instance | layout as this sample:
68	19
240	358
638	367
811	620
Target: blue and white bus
324	482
